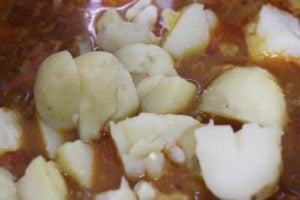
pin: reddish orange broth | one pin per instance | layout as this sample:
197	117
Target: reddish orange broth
31	30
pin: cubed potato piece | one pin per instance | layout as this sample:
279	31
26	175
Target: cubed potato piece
138	7
52	138
124	192
107	92
191	32
240	165
10	131
76	159
142	140
119	34
56	90
42	180
147	17
110	15
170	18
8	187
146	59
145	191
275	33
171	96
248	94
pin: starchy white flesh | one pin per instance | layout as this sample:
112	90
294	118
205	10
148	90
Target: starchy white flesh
146	59
145	191
56	90
109	16
116	35
276	33
147	17
124	192
10	131
42	180
191	32
76	159
8	187
173	94
107	92
170	18
240	165
138	7
52	139
146	85
141	140
248	94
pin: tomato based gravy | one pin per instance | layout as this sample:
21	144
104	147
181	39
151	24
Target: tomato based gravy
32	30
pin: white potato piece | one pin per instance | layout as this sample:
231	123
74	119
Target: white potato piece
240	165
52	138
173	94
124	192
146	59
147	17
145	190
170	18
109	16
146	85
56	90
276	33
8	187
116	35
140	141
42	180
76	159
248	94
191	32
138	7
10	131
107	92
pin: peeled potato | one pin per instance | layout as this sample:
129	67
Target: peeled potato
42	180
190	34
146	59
76	159
109	16
116	35
145	190
107	91
240	165
274	34
52	139
171	95
123	192
170	18
56	90
248	94
138	7
8	187
10	131
147	17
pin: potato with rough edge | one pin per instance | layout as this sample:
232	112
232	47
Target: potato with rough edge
76	159
8	187
247	94
42	180
110	15
240	165
147	17
170	96
138	7
56	91
10	131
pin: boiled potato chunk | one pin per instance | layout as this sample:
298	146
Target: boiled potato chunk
191	32
8	187
170	18
42	180
52	139
10	131
248	94
145	190
138	7
107	92
171	95
76	159
116	35
110	15
147	17
124	192
274	34
141	141
56	90
146	59
240	165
